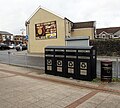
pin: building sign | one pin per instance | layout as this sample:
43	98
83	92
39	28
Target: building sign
47	30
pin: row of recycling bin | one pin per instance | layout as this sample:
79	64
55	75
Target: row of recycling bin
70	61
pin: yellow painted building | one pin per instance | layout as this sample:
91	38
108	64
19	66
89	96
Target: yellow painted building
84	29
45	28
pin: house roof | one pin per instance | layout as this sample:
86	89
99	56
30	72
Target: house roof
89	24
108	30
19	36
40	7
5	33
76	25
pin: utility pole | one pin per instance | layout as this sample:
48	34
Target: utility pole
22	31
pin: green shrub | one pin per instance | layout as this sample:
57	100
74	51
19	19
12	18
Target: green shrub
110	47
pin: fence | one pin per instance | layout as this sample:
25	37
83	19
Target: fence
115	65
24	60
38	62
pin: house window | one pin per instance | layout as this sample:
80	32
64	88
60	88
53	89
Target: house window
3	37
9	37
115	36
46	30
96	36
103	35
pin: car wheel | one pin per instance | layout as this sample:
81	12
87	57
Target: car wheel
17	49
2	48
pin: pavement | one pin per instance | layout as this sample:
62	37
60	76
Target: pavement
31	88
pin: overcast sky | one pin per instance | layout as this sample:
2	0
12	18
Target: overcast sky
14	13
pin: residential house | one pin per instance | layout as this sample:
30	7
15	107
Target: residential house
45	28
6	37
108	33
20	39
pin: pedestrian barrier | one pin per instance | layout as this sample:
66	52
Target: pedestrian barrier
26	60
68	61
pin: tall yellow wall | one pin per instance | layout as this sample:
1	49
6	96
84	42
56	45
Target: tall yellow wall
83	32
41	16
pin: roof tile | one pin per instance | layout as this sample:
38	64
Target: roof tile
78	25
108	30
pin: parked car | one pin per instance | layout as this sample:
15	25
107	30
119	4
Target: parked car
21	47
4	46
12	46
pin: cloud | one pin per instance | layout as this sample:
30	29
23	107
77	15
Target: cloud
14	13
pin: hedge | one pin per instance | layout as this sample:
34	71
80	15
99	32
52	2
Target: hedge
109	47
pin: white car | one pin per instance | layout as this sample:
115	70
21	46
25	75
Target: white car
21	47
12	46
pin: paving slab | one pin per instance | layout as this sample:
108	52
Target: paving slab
101	100
27	88
20	91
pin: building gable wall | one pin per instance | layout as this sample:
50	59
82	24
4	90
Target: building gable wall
43	16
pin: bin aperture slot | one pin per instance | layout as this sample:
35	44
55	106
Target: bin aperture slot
84	51
71	50
59	52
49	55
83	57
49	49
59	55
71	56
56	50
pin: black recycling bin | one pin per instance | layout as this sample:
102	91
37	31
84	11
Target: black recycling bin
106	71
56	57
86	63
49	61
59	62
71	61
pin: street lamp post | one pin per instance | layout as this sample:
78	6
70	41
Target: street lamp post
22	31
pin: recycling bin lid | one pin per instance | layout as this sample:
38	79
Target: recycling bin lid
70	47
